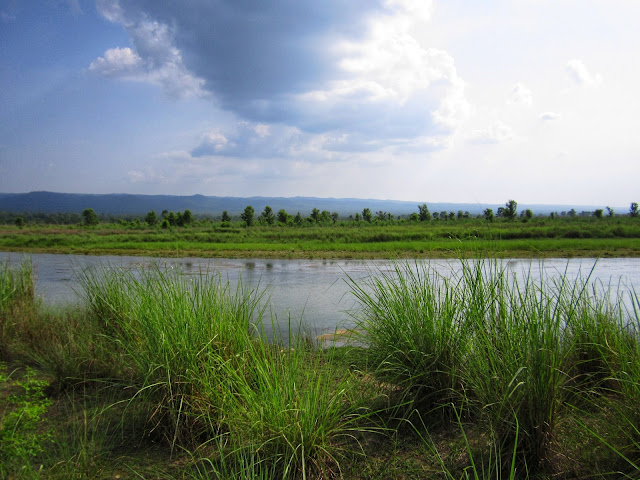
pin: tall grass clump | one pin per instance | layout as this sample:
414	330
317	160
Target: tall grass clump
517	369
507	351
17	285
296	414
624	362
598	328
195	354
415	333
174	333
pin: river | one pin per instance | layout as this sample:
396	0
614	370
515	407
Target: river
314	292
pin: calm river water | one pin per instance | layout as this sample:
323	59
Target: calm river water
313	291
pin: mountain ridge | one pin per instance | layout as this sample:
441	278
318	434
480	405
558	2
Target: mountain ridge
140	204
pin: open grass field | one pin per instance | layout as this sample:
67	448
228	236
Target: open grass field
475	375
538	237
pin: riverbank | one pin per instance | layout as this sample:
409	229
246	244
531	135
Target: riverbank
534	239
140	382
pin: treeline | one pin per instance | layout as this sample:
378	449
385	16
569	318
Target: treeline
248	218
508	213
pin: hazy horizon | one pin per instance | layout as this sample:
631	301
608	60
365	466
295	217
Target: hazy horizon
452	201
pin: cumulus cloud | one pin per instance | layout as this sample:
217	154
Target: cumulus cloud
495	133
352	70
247	140
579	73
550	116
154	58
390	74
118	62
520	94
250	140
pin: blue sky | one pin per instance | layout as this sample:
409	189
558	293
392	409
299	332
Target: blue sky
414	100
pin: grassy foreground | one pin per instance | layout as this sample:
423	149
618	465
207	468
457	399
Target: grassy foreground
474	375
538	237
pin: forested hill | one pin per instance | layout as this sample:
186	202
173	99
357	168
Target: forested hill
127	204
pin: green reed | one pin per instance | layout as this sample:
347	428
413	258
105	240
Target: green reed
196	351
176	332
507	351
17	286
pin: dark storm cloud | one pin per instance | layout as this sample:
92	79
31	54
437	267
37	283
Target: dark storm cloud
335	75
252	52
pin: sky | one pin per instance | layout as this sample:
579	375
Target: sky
428	101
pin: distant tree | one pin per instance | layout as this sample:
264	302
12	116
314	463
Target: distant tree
172	219
19	222
598	212
572	212
424	214
151	218
325	216
165	213
452	216
633	210
225	217
247	215
610	212
165	224
298	219
358	217
366	215
436	215
334	217
90	217
526	215
187	217
414	217
283	216
380	215
510	210
267	215
460	215
315	215
488	214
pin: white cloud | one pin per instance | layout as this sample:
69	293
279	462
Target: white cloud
247	140
520	94
117	62
154	58
262	130
390	65
550	116
111	10
579	73
495	133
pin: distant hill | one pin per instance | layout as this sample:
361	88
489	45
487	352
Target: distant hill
128	204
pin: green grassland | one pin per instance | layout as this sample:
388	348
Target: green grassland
617	236
470	375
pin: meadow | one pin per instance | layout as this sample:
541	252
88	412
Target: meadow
617	236
471	375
